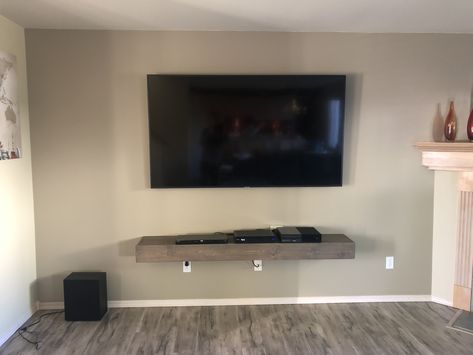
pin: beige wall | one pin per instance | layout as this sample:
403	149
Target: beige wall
89	135
17	235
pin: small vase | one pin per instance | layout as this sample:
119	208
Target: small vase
450	129
437	127
469	127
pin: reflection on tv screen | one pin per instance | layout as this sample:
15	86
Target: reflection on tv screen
238	131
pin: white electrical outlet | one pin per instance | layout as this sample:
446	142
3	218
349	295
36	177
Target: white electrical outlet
390	262
186	266
258	265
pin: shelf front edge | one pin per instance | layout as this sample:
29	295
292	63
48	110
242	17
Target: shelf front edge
339	248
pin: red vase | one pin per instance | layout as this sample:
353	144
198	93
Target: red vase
469	127
450	128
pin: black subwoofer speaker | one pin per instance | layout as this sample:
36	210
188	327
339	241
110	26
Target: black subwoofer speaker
85	296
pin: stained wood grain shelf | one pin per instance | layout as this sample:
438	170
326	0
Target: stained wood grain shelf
163	248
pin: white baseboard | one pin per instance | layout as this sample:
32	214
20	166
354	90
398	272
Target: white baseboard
250	301
439	300
14	327
45	306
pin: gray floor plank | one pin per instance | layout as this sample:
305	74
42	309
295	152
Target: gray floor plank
207	332
115	332
400	329
369	328
318	337
250	332
229	339
187	326
271	337
162	339
164	333
291	330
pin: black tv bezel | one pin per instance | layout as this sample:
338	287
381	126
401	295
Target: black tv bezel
340	184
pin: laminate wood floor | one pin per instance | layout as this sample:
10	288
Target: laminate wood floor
364	328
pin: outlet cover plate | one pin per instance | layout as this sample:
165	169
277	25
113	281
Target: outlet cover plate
186	268
259	263
389	262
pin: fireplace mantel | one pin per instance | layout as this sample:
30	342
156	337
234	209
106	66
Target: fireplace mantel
457	156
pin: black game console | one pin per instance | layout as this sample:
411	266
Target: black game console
255	236
192	239
298	235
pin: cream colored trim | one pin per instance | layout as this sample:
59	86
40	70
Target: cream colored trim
447	156
462	297
443	301
466	181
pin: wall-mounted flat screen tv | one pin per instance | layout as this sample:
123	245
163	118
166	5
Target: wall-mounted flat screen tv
246	130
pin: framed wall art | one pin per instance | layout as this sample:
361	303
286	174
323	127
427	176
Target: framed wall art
10	132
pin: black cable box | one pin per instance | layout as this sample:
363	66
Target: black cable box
187	239
298	235
255	236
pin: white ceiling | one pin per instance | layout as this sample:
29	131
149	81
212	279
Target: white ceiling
425	16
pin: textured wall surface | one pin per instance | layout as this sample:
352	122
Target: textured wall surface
90	141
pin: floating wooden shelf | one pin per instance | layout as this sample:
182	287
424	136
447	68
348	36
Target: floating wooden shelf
163	248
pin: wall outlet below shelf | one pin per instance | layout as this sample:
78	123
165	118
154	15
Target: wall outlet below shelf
186	266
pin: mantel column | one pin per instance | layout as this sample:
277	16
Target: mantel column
457	156
464	257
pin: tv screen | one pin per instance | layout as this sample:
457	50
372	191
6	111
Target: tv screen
246	130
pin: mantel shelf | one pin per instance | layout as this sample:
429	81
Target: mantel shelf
461	146
456	156
164	248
